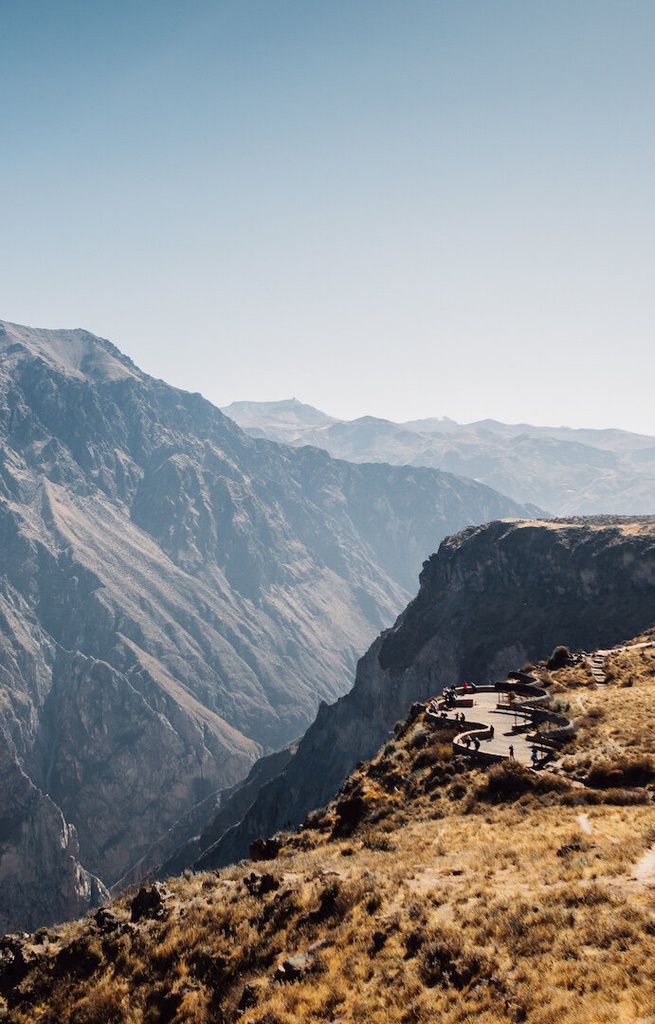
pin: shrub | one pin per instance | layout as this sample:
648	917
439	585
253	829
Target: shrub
637	770
351	809
457	789
420	737
511	780
373	903
626	797
428	756
316	819
560	706
560	658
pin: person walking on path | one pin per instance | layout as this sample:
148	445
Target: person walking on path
511	752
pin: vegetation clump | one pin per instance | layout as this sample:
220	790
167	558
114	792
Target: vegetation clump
622	770
560	657
510	780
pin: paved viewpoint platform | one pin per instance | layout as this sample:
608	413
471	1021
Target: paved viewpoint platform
488	709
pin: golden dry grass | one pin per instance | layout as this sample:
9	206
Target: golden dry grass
428	890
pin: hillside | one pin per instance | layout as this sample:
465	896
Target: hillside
429	889
491	598
568	472
175	599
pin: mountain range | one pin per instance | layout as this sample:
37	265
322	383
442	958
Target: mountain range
568	472
176	598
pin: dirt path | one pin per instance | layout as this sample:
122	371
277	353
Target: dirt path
645	868
585	824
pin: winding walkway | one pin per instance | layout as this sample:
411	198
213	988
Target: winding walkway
497	725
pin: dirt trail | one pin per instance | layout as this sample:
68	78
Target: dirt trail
585	824
645	868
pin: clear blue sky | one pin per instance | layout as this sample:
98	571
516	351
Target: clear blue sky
397	208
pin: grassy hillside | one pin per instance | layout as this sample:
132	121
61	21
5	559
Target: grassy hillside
429	889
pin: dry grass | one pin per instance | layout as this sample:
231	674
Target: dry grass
427	890
615	745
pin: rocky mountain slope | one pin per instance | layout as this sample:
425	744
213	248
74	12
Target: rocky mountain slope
492	598
429	889
568	472
175	597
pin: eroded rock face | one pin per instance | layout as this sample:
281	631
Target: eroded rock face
176	597
41	878
491	598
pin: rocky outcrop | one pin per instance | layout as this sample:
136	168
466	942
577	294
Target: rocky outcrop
492	598
176	597
41	878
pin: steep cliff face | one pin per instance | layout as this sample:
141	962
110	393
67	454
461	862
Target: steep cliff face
41	878
490	599
176	597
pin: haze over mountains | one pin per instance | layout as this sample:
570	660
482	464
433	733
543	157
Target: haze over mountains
568	472
175	598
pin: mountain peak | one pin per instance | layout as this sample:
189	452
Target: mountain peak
76	352
288	413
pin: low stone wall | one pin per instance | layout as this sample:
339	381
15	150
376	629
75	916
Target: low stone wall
532	695
564	727
483	731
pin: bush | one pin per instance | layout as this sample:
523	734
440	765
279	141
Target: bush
626	797
560	658
351	811
316	819
511	780
420	737
622	771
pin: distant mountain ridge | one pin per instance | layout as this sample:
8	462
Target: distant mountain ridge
567	471
175	598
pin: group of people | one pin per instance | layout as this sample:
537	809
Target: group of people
468	739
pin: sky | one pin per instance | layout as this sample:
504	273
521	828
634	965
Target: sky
398	208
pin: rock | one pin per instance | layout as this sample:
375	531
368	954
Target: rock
260	885
16	958
249	997
294	967
107	920
568	848
150	902
265	849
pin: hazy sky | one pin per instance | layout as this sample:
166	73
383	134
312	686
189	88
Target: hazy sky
396	207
